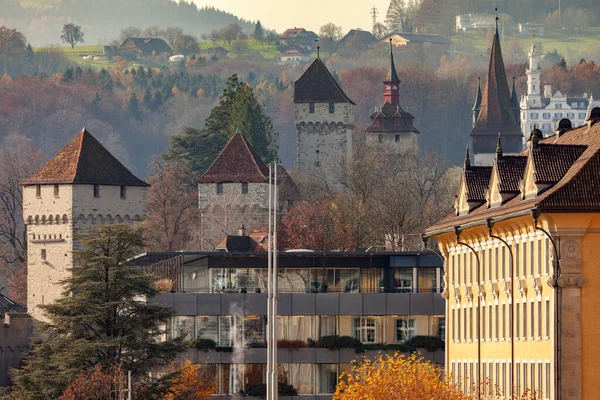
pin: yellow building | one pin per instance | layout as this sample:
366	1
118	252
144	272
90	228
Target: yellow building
522	266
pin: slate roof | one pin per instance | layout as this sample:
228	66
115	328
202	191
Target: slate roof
392	75
477	179
84	161
296	32
569	164
237	162
496	108
510	170
357	37
8	305
317	85
149	45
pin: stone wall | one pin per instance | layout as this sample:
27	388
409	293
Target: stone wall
15	339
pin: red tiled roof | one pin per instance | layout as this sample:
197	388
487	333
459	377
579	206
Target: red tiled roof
255	242
391	114
569	163
510	171
237	162
496	110
84	161
317	85
477	180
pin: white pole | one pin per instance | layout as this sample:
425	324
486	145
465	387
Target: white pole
269	295
274	379
129	385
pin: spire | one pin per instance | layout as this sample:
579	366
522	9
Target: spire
318	51
467	160
499	147
496	9
392	76
477	105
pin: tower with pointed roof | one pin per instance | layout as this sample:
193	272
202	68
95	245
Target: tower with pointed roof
233	192
324	119
496	113
82	187
390	124
477	105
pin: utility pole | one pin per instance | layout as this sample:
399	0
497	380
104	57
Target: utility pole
374	14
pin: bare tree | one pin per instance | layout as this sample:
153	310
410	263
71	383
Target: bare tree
172	209
331	31
171	33
18	161
153	31
215	36
129	32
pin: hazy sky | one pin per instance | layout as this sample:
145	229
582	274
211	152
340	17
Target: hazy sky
309	14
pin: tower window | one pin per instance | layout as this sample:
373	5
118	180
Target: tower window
123	192
56	190
244	188
43	255
397	138
311	108
38	191
331	108
220	188
96	190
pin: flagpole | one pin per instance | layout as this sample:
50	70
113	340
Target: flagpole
274	379
269	294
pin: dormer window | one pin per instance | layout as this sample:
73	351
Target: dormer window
96	191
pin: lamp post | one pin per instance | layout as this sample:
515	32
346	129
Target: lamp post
272	288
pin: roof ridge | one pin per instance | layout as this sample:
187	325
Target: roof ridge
79	149
253	154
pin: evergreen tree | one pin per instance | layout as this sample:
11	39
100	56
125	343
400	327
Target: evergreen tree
148	100
259	31
97	99
67	76
105	80
133	107
102	318
238	108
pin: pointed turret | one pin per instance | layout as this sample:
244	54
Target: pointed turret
391	93
496	113
467	165
499	148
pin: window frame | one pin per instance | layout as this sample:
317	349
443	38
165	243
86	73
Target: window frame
219	188
123	191
96	191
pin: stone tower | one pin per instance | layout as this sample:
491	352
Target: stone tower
234	192
496	115
390	124
81	187
324	119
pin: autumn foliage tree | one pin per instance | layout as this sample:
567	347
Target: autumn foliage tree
192	382
399	377
315	226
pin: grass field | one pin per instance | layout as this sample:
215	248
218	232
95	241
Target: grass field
565	42
268	51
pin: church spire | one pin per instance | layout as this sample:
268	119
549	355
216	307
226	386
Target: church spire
391	83
467	160
499	147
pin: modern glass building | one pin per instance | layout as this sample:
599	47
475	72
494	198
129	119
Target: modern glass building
333	308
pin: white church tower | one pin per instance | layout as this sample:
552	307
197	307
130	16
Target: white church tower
81	187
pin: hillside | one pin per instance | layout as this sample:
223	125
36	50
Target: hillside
41	20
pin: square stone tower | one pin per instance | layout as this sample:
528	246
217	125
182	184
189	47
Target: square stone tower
234	192
81	187
324	119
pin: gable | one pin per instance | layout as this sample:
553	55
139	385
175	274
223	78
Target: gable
462	205
494	197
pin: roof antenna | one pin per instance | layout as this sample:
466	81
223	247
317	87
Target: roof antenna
497	19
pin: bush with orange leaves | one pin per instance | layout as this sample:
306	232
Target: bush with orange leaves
193	382
397	376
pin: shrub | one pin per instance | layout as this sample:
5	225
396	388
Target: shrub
429	343
338	342
204	344
261	390
291	344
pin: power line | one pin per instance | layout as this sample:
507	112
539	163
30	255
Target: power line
374	14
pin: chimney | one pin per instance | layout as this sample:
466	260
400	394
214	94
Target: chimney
242	231
547	90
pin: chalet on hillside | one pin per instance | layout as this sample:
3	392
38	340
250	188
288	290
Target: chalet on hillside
143	48
215	53
294	55
414	40
357	39
299	36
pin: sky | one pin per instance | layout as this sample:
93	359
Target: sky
308	14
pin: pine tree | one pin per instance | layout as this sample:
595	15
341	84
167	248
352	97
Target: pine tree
133	107
259	31
238	108
105	80
102	318
396	17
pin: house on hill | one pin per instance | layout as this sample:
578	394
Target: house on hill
215	53
413	40
357	39
299	36
143	48
294	55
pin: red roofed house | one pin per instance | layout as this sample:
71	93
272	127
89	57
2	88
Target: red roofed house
299	36
234	192
83	186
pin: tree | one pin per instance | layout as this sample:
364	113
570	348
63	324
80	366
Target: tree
72	34
331	32
238	108
240	48
18	161
316	226
231	32
172	211
186	44
215	36
397	377
171	33
102	319
193	382
379	30
133	107
153	31
129	32
259	31
272	37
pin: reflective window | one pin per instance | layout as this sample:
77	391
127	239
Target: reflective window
406	328
426	278
326	326
403	280
183	327
230	331
254	331
207	327
368	329
326	378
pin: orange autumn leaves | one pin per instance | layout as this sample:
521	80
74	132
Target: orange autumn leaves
195	382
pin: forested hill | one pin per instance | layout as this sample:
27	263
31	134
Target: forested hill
42	20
